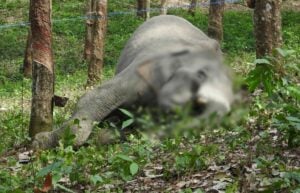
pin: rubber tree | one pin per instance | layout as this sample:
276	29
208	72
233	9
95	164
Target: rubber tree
98	38
148	9
250	3
267	26
215	19
88	30
143	9
163	7
193	6
41	117
27	63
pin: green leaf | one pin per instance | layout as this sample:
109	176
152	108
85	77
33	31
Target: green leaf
15	191
261	74
254	78
134	168
127	123
293	119
295	92
297	190
95	179
253	84
76	121
126	112
52	167
68	137
198	191
268	82
293	176
284	53
232	188
124	157
64	188
261	61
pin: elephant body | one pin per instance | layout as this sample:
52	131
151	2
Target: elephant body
167	63
163	35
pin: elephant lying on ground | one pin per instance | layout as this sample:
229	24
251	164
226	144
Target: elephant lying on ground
167	63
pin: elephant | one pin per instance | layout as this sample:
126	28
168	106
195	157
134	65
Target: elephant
167	63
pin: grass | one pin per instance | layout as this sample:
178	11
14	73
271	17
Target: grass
243	141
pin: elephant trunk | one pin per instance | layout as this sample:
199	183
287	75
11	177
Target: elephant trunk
92	107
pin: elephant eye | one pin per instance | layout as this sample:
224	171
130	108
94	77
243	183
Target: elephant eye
201	74
198	80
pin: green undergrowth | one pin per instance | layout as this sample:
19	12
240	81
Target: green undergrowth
261	131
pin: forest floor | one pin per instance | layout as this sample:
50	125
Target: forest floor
253	149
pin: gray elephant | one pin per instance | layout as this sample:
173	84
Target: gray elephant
167	63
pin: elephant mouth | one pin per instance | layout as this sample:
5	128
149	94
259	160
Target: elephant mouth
215	97
198	107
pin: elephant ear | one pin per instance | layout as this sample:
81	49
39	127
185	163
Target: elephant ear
158	71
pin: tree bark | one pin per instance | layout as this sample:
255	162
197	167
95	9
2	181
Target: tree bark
215	19
99	31
89	30
27	63
267	24
163	9
148	9
193	6
141	8
250	3
43	70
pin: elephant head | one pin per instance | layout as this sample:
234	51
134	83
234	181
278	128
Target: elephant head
189	77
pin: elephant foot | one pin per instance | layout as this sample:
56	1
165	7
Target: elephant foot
44	140
47	140
107	136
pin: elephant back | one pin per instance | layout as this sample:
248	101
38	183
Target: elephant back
162	35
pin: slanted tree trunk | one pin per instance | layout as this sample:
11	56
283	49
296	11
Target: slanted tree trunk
141	8
215	20
43	70
193	6
163	7
27	63
267	22
89	30
99	31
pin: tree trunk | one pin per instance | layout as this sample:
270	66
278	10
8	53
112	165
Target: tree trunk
89	30
215	23
163	10
27	63
148	9
43	70
141	8
193	6
250	3
267	22
99	31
